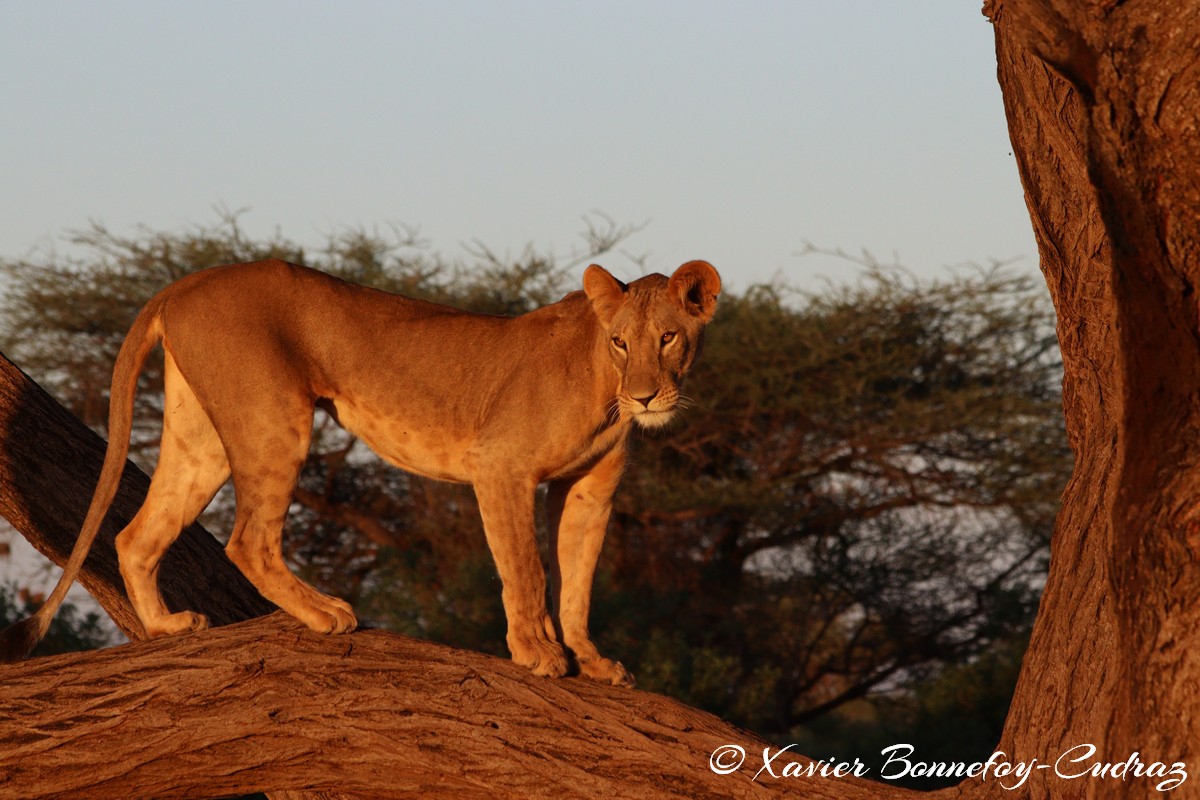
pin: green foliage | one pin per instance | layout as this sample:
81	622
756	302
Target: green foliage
854	511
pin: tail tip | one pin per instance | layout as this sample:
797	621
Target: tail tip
18	640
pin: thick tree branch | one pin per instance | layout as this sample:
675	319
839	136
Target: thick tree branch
268	705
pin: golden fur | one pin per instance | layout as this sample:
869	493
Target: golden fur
501	403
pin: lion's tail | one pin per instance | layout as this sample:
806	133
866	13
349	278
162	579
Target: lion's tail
17	641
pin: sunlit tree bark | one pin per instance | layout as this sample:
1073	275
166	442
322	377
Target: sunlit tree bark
1103	105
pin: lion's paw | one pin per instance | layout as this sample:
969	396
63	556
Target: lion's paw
323	613
170	624
604	670
544	658
331	619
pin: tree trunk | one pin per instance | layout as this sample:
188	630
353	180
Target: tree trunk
1102	102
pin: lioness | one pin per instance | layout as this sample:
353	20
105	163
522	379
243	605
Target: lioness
501	403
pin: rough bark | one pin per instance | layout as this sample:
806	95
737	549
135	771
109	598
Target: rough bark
267	704
1102	101
1068	680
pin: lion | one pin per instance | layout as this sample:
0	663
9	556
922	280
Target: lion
502	403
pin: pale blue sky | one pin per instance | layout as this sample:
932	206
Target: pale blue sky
738	130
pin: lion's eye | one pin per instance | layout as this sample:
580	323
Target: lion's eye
668	337
618	342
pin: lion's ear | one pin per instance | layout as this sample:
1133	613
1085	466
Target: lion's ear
606	292
696	285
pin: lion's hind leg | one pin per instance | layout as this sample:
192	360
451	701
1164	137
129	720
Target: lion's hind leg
264	478
191	468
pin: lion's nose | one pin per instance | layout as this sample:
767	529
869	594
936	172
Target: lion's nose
646	400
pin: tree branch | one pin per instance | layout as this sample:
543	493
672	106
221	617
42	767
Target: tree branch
269	705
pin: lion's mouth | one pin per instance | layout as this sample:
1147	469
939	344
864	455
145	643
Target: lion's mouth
654	412
652	418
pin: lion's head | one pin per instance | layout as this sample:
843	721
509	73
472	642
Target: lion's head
654	328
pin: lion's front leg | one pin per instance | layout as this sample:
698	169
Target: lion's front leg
507	509
578	512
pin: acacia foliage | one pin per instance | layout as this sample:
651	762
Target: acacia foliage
860	493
